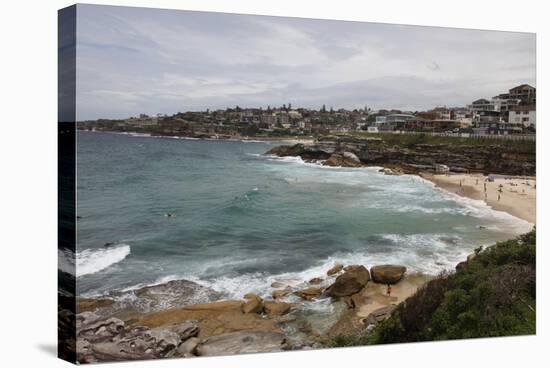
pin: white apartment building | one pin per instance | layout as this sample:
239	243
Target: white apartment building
525	115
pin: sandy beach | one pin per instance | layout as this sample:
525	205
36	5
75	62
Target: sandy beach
514	195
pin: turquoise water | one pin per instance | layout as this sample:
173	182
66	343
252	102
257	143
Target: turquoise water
242	220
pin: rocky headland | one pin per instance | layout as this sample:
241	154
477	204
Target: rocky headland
351	151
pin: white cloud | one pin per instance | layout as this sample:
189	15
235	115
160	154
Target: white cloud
133	60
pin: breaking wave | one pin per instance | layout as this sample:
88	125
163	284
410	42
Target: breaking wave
91	261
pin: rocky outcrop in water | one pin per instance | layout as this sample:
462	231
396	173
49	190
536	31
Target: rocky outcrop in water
487	159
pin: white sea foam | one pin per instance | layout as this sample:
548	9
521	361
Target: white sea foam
91	261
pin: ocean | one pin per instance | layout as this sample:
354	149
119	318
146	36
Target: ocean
241	220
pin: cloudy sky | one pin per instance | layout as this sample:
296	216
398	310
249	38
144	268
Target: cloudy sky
134	60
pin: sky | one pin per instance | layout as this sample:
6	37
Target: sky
138	60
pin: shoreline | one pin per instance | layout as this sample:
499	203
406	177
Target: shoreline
261	139
511	194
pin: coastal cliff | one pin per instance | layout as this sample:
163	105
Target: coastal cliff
414	157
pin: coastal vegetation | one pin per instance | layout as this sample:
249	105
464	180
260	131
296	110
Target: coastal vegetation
412	140
491	294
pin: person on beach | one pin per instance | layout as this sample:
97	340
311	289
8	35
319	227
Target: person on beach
388	290
499	197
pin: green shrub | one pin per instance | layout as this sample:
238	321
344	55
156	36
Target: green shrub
494	294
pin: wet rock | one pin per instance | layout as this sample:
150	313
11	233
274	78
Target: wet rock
241	342
276	294
252	304
273	308
85	304
286	318
309	293
316	281
387	274
349	283
335	269
278	285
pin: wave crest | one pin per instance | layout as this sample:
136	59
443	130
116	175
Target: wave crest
91	261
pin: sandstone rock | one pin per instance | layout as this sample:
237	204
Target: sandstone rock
334	270
349	283
277	285
276	294
387	274
216	306
252	304
316	280
85	304
188	347
94	330
213	318
136	343
186	329
309	293
273	308
241	342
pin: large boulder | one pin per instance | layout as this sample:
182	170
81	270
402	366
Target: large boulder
350	282
252	304
309	293
387	274
273	309
241	342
